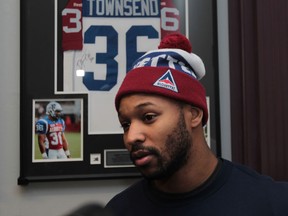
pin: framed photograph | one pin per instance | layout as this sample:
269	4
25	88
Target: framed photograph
74	56
57	123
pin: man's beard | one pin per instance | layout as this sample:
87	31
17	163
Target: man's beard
174	156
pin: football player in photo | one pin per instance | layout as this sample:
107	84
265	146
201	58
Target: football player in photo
50	130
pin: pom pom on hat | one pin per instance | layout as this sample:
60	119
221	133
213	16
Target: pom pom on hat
171	71
176	40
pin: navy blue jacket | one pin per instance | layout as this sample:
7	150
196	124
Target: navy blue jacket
233	190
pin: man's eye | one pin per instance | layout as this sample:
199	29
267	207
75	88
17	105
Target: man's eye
149	117
125	125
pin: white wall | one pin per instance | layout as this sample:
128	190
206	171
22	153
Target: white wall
45	199
54	198
224	77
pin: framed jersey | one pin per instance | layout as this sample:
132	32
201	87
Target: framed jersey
75	53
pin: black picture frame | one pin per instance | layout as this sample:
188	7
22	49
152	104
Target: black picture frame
102	156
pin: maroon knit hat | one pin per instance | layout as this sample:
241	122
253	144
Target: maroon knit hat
171	72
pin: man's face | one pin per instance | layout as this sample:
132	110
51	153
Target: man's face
155	134
58	114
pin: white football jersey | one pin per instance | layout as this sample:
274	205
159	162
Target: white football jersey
100	40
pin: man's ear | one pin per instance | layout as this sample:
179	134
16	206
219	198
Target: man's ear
197	116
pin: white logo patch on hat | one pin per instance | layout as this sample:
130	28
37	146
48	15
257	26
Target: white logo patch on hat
167	81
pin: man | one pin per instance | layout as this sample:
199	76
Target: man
51	138
162	108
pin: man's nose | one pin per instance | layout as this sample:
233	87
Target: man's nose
135	134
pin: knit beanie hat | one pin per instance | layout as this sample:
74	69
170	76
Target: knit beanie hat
172	71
